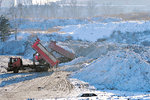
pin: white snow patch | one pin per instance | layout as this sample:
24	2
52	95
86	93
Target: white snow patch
65	47
119	70
77	61
95	31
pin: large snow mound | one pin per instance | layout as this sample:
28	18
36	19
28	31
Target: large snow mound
100	30
119	70
110	30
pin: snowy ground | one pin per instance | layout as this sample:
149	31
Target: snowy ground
56	85
112	60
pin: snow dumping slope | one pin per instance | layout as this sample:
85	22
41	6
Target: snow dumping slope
118	70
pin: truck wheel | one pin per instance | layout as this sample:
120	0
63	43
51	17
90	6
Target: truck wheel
16	70
40	69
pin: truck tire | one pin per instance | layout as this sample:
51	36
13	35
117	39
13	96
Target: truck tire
41	69
16	70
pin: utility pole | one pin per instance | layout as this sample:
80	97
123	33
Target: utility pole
13	13
0	4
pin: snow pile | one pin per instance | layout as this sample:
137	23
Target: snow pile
105	20
3	64
96	50
79	60
99	30
43	24
12	47
109	29
61	44
108	20
140	38
93	29
89	32
119	32
79	29
119	70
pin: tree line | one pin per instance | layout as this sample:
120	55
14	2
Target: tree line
61	9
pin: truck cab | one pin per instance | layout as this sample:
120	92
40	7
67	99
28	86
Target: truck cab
14	64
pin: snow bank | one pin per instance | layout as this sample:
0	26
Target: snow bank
118	70
12	47
92	29
79	60
108	20
105	20
46	24
132	32
99	30
89	32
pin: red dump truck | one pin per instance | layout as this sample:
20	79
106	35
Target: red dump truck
43	57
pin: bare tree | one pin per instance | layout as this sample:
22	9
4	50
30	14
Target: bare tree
28	2
47	6
0	4
64	10
73	5
54	6
20	15
91	8
107	8
20	9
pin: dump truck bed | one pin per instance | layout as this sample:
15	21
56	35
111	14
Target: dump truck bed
61	50
47	56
